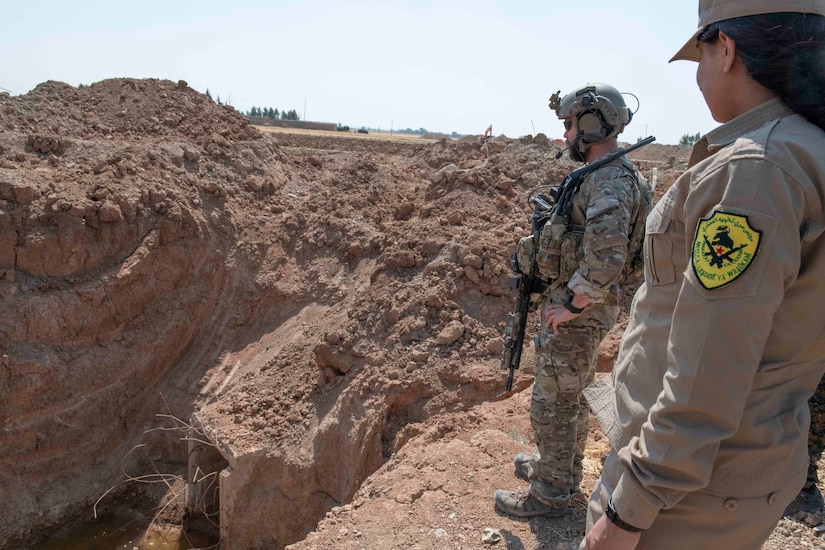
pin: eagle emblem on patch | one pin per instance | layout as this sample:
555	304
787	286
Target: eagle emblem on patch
724	247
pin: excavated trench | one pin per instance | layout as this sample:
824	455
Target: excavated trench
271	495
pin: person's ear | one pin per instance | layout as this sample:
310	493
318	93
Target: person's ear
728	46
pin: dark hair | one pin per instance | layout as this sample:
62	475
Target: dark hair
784	52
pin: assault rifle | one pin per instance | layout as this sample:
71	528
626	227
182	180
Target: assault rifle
558	203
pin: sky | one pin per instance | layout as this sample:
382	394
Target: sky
456	66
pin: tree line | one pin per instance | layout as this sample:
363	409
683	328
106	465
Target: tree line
265	112
269	112
689	139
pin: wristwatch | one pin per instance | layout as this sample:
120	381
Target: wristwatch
616	520
568	305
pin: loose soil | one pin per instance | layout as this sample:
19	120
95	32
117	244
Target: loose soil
335	304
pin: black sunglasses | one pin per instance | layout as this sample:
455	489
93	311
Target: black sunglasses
568	124
709	34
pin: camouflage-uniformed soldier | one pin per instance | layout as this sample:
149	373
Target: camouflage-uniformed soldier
810	498
583	262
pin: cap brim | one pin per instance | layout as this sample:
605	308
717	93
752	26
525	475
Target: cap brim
690	51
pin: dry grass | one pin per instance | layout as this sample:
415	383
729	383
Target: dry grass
372	135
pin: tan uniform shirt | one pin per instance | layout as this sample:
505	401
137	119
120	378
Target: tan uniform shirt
726	339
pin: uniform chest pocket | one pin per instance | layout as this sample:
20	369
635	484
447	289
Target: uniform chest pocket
658	249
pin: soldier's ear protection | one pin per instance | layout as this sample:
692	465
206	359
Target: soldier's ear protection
590	122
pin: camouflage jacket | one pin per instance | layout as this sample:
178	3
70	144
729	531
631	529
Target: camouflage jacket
595	246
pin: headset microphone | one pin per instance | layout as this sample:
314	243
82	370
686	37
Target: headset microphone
563	151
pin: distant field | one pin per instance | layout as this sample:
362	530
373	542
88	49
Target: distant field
383	136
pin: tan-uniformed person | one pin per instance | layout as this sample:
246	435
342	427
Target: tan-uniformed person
707	408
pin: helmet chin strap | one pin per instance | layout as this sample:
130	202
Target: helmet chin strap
586	140
574	152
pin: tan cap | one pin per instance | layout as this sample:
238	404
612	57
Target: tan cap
713	11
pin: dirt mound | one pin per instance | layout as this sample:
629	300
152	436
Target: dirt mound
119	265
324	313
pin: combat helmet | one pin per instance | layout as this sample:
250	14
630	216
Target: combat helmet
599	110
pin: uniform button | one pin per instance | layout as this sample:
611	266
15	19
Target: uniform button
772	498
731	504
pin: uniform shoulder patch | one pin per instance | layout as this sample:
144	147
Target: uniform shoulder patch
724	247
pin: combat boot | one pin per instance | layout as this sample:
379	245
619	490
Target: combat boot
522	470
524	505
808	500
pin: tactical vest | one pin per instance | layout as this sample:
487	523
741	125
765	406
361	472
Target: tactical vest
560	242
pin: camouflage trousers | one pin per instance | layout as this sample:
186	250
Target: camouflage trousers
565	364
816	434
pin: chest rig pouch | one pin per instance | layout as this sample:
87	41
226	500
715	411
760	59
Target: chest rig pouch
549	252
560	243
